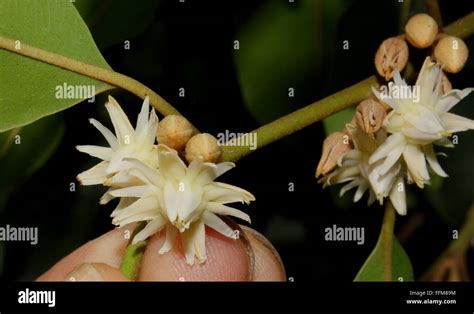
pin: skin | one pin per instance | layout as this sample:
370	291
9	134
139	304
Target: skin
252	258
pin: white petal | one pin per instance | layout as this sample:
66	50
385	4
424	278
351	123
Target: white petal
416	163
170	165
360	191
181	200
106	197
225	193
419	136
123	128
425	120
150	133
454	123
391	160
142	119
450	99
152	176
109	136
393	103
393	142
220	209
397	196
209	171
104	153
95	175
194	242
433	161
445	142
145	208
348	187
170	238
150	229
140	191
217	224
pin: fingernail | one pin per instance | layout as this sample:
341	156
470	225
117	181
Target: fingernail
85	272
248	247
264	241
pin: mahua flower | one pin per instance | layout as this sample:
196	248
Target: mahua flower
354	168
417	124
138	143
179	198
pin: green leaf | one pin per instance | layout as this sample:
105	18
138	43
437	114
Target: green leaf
278	48
27	86
28	149
113	22
372	270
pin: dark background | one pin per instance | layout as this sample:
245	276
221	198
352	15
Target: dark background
190	45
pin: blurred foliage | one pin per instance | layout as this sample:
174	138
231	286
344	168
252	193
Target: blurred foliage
114	21
280	49
25	150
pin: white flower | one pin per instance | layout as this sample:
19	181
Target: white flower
417	125
127	143
179	198
354	167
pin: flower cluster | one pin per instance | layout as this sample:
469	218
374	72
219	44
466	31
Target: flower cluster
155	185
402	149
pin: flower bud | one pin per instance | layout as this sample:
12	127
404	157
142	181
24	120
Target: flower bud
421	30
174	131
391	55
369	116
452	52
334	146
204	145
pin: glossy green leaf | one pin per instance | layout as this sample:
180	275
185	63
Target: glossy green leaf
102	17
372	270
28	87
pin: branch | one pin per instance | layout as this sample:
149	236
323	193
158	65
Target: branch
105	75
386	236
320	110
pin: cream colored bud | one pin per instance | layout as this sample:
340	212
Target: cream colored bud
452	52
421	30
369	116
334	146
174	131
391	55
204	145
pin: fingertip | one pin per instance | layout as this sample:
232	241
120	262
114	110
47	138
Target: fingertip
95	272
107	249
268	264
227	260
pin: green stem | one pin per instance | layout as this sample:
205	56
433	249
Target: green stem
303	117
321	109
386	236
133	255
